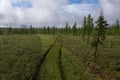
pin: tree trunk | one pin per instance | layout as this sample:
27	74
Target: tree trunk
84	38
96	48
88	38
95	53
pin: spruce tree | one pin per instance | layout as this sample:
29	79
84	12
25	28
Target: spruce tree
99	36
31	30
74	29
89	27
66	28
48	30
84	28
117	29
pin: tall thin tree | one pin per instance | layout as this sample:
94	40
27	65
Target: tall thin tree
84	28
117	29
99	36
89	27
74	29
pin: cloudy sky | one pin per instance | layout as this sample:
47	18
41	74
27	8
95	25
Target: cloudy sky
58	12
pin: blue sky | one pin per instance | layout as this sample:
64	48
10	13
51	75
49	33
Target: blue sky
76	6
83	7
28	4
22	3
83	1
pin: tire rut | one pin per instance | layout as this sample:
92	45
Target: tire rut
41	61
60	63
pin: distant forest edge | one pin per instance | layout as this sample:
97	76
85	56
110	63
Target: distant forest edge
88	28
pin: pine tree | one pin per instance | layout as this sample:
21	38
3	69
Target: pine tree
117	27
89	27
48	30
53	29
1	31
84	28
9	30
31	30
67	28
74	29
99	36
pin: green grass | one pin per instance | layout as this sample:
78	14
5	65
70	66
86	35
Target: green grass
50	69
47	40
19	56
108	58
72	70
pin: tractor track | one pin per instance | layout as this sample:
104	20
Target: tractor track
41	61
60	63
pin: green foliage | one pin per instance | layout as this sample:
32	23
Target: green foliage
108	61
32	30
89	26
117	29
48	30
99	36
67	29
74	29
84	28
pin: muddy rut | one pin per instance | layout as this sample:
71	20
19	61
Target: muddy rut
41	61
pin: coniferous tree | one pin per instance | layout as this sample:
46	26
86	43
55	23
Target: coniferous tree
84	28
89	27
67	28
99	36
1	31
74	29
9	30
53	30
32	29
117	29
48	30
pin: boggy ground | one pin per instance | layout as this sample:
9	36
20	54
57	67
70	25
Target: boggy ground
107	63
48	57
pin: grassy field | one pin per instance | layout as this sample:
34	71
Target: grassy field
41	57
106	65
18	56
71	70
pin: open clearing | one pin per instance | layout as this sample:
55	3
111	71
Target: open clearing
48	57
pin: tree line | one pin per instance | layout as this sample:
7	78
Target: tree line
97	30
85	31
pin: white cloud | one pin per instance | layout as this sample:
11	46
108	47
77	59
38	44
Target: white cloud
82	9
111	9
42	12
58	12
